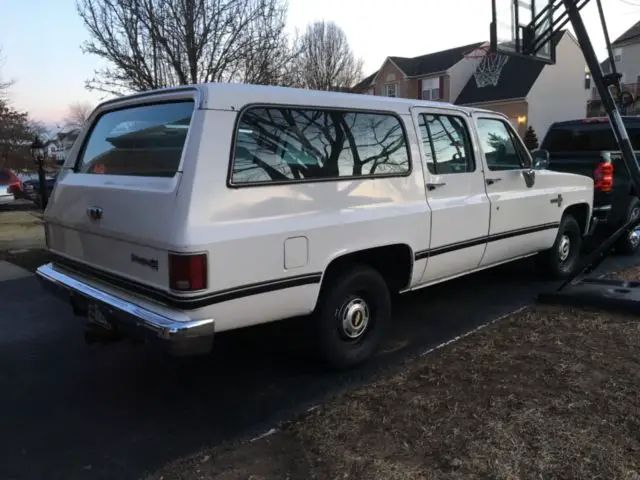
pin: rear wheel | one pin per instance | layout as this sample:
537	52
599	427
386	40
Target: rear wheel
352	315
629	243
561	260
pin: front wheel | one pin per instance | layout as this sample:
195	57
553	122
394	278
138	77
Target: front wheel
561	260
353	312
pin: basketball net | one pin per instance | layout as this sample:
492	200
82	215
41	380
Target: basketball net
489	67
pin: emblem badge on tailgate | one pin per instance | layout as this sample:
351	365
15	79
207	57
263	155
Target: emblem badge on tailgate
147	262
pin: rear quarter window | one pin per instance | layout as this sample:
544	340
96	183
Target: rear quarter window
586	138
275	145
138	141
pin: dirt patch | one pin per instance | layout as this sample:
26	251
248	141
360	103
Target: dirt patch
628	274
549	392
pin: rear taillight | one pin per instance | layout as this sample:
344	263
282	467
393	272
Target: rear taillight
603	177
14	187
187	272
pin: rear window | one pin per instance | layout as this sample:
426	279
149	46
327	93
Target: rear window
587	138
139	141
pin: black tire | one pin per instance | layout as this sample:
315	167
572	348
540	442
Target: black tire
560	261
629	243
361	290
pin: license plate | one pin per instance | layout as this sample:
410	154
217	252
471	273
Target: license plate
97	316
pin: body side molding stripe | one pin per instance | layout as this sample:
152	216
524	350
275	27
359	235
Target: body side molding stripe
188	303
474	242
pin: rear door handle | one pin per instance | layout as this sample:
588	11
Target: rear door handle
433	186
491	181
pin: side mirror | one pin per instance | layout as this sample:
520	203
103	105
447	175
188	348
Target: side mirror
540	159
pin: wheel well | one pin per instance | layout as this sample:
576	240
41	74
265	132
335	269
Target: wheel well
580	212
393	262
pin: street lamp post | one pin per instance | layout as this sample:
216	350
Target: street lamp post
38	154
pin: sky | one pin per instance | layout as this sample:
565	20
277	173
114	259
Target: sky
41	39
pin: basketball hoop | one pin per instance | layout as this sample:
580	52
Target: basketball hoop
489	66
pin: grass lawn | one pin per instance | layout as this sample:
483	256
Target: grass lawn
549	392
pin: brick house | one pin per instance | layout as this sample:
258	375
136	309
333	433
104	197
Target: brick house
626	55
534	93
435	76
528	92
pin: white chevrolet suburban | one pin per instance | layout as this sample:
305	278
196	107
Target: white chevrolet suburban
195	210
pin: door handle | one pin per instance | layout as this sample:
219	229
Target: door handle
433	186
491	181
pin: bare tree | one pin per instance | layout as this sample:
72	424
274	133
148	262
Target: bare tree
77	115
16	131
151	44
325	60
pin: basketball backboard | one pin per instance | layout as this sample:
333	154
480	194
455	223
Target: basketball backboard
523	27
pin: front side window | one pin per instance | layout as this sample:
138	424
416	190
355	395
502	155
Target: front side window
499	145
138	141
290	144
446	144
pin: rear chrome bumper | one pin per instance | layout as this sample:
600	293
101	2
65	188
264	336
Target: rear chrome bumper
180	337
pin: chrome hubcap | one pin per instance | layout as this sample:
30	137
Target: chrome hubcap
634	235
565	248
354	317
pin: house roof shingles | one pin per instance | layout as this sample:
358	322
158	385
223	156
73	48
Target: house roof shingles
433	62
517	78
632	34
425	64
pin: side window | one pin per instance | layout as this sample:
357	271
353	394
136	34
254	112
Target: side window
499	146
291	145
447	148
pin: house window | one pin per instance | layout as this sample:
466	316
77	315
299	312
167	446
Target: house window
391	90
617	54
430	88
391	77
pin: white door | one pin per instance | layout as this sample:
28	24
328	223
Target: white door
455	191
523	219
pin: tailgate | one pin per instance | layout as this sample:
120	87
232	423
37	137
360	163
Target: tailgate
113	211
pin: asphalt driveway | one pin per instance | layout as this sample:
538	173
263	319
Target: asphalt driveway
70	411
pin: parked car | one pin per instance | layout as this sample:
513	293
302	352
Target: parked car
31	188
9	185
588	147
196	210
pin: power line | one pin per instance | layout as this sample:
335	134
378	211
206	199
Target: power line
629	2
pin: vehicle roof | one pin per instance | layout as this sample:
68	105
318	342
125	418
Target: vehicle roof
234	96
627	119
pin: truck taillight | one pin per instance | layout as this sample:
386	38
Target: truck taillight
14	187
187	272
603	177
